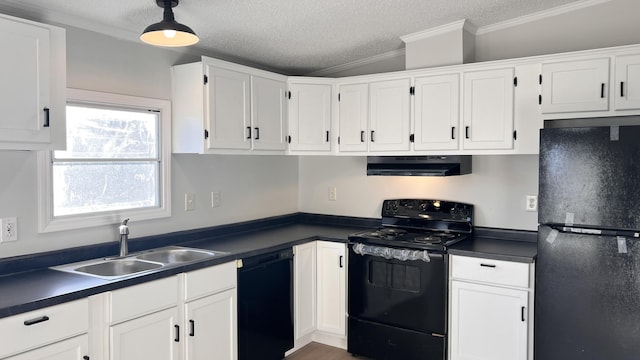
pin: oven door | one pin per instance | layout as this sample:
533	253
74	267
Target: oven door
405	294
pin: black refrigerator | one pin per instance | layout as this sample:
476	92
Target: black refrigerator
587	291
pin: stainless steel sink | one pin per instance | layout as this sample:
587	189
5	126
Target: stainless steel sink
139	263
118	267
176	255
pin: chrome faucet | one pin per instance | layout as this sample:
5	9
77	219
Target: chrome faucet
124	236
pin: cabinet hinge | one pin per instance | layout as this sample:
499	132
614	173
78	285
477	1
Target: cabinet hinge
515	134
338	97
412	138
205	79
412	90
540	99
206	134
515	81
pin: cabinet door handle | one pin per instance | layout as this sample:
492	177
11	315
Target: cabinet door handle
86	357
522	311
453	133
488	265
248	132
192	331
327	136
46	117
289	139
36	320
177	328
602	91
362	136
257	133
372	137
341	261
466	132
621	88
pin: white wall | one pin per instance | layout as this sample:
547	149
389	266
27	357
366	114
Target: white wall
251	187
497	187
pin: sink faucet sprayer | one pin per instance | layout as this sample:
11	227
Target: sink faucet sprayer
124	236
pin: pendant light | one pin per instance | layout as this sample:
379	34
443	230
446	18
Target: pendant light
168	32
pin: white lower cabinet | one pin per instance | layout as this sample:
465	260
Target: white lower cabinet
320	293
155	336
210	327
189	316
71	349
55	332
491	314
331	294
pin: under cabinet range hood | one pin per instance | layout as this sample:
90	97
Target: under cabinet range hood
419	165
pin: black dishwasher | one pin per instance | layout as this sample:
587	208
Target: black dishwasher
265	306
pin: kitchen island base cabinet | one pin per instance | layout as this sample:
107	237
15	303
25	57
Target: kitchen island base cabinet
71	349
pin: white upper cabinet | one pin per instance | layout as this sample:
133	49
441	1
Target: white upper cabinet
33	86
353	117
269	113
627	84
229	104
575	86
389	115
437	112
310	117
224	108
488	109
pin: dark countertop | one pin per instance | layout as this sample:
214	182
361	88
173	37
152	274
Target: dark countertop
34	289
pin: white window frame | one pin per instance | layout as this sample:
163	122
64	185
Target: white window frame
48	223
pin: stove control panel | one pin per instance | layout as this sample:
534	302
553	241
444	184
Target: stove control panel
422	209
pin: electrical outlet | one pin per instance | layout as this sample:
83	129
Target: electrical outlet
189	201
532	203
215	199
9	229
333	193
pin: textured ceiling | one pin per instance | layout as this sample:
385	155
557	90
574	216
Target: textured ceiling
291	36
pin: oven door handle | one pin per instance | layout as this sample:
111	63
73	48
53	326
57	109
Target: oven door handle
392	253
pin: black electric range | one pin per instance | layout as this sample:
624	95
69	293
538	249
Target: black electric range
398	276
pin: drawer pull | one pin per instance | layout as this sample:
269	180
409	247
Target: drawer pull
36	320
488	265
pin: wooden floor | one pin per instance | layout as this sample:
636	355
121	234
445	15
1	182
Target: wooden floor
316	351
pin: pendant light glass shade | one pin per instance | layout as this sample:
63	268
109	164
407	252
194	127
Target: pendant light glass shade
168	32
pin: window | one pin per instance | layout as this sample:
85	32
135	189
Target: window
116	163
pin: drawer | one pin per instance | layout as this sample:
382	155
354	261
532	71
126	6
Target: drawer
143	299
44	326
490	271
210	280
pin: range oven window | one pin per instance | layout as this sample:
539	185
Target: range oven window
400	277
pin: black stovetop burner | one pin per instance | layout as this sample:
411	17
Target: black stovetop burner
420	224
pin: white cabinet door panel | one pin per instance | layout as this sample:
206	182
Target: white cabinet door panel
487	322
488	109
269	114
71	349
331	277
149	337
310	117
627	85
437	112
389	115
304	265
211	327
575	86
353	117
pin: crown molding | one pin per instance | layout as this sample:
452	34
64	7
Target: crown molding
357	63
539	15
438	30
